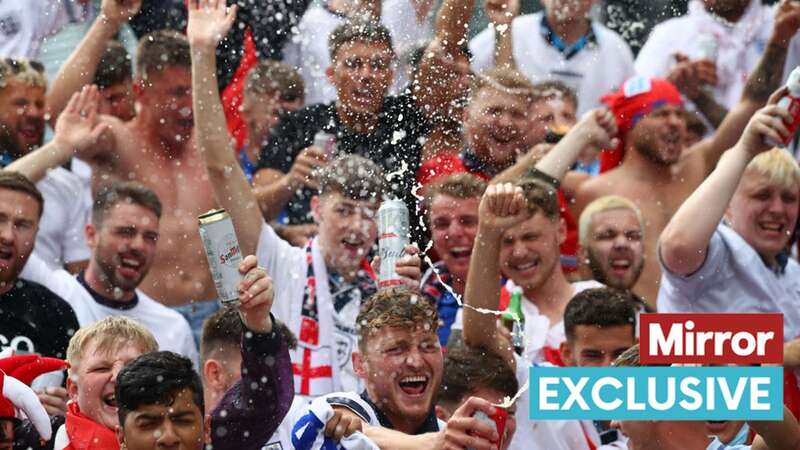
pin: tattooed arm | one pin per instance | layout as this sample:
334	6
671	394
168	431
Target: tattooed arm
763	81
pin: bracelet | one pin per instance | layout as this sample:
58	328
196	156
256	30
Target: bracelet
533	172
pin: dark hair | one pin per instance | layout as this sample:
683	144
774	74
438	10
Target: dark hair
109	195
547	90
540	197
355	177
458	185
358	29
270	76
114	66
155	379
694	124
15	181
160	50
223	330
468	369
395	307
600	307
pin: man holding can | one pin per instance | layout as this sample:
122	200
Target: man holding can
122	234
400	359
319	288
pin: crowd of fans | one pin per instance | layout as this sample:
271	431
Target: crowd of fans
548	172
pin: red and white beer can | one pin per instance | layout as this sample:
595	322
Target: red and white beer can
392	239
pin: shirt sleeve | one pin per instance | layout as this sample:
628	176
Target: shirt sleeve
284	264
52	18
74	246
482	49
654	57
253	408
59	281
689	286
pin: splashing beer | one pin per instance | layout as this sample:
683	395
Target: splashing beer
393	237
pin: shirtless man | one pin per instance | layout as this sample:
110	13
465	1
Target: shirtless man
156	148
657	173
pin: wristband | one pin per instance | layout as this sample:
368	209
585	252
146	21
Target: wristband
535	173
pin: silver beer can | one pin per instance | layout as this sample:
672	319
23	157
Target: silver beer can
393	230
327	143
224	255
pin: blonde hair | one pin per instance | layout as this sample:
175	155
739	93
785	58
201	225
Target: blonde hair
628	358
108	335
603	204
778	166
509	81
22	70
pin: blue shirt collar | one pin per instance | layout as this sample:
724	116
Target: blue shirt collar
554	40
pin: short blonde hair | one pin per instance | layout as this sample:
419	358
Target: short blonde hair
509	81
109	334
778	166
628	358
23	70
602	204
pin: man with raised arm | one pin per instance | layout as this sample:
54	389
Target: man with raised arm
533	266
388	130
80	68
657	171
157	149
725	248
319	288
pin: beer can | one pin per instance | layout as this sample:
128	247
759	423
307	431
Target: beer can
326	142
497	421
224	255
392	238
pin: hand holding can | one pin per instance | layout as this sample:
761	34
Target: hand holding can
327	143
393	227
223	253
497	421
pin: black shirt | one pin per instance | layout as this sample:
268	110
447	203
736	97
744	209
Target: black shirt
395	144
35	320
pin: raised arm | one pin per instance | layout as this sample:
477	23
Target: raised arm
684	242
438	65
76	131
596	128
501	14
209	22
502	207
251	410
79	69
691	77
765	79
